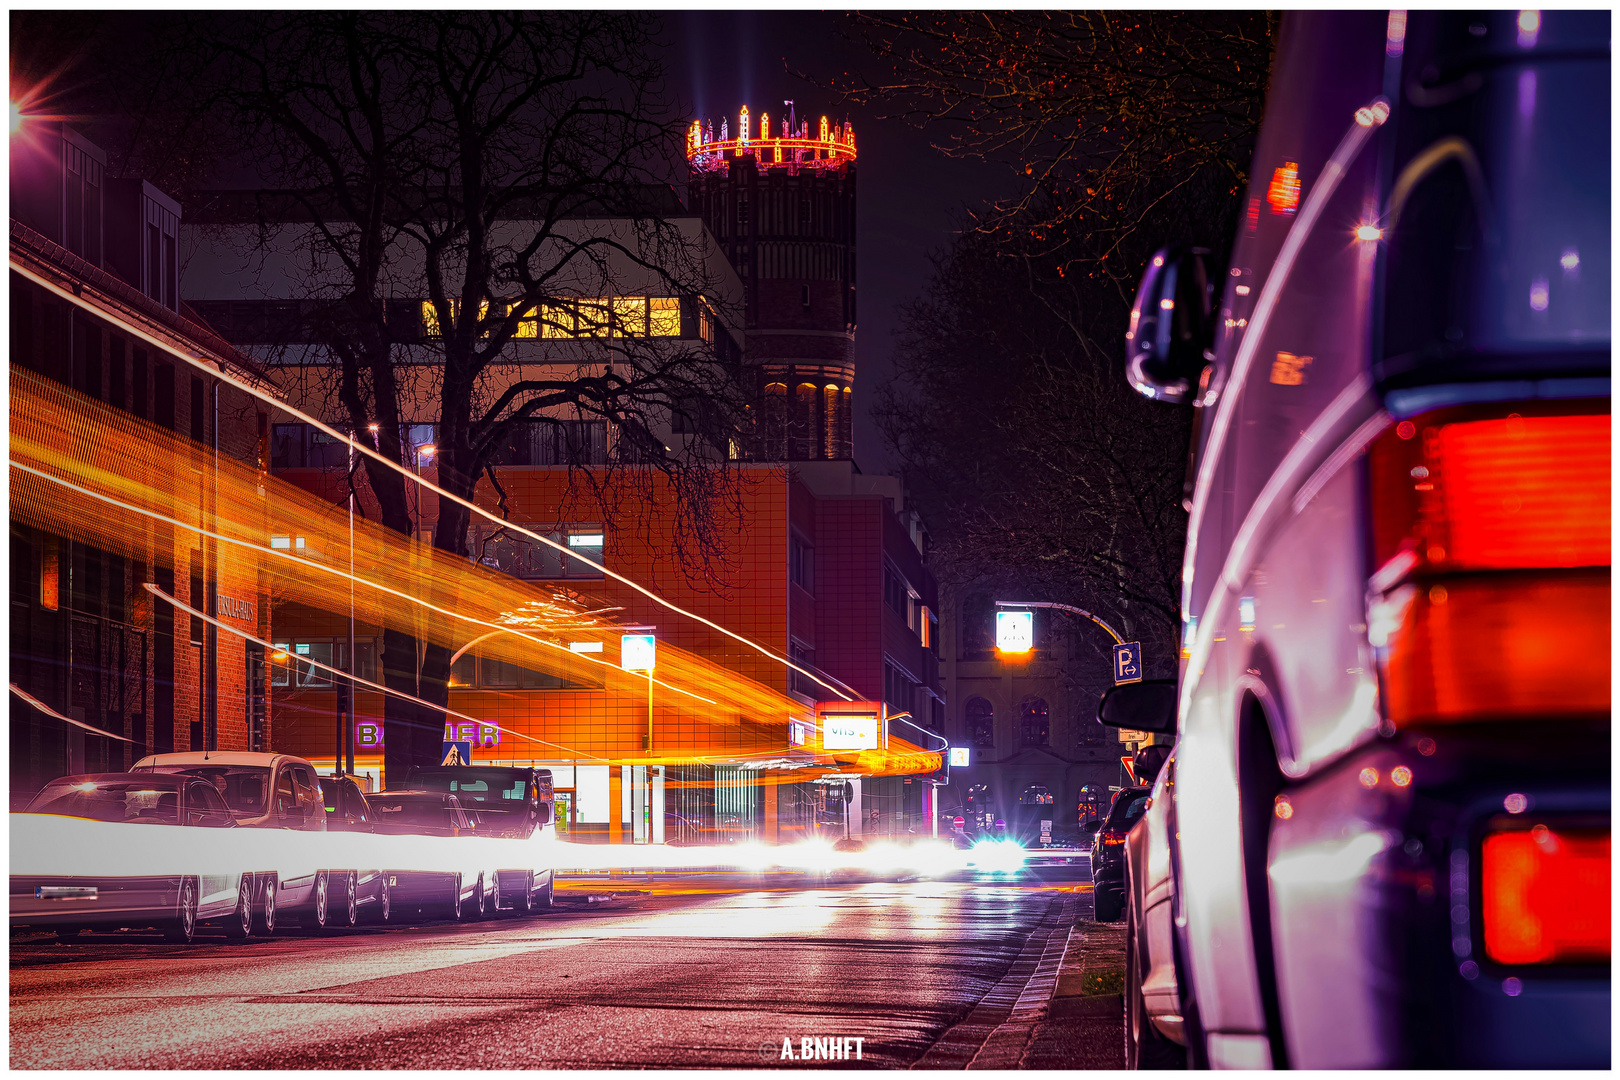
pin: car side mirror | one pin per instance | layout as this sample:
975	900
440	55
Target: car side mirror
1143	706
1171	337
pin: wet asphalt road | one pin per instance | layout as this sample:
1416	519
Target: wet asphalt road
674	979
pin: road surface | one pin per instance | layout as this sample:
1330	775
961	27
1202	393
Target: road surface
678	977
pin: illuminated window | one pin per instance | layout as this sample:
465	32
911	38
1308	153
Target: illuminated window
528	324
593	319
430	315
556	321
630	316
665	318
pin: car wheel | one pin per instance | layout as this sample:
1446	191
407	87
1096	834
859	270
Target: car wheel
319	903
1145	1046
267	905
495	897
385	900
455	899
184	927
1105	906
525	899
351	907
240	925
547	896
478	898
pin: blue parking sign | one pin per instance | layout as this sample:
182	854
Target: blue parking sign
1128	663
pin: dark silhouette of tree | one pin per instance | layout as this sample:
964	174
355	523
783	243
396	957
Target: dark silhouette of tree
1038	467
501	170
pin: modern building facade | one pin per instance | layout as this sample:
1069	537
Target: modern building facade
819	563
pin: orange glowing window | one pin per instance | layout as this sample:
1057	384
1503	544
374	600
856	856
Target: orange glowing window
1283	191
50	576
1546	896
1494	493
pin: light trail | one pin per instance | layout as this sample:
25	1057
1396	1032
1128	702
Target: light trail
217	371
309	564
379	687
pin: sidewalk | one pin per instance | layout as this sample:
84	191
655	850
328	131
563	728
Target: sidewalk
1060	1005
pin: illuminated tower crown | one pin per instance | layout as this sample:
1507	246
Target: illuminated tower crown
780	200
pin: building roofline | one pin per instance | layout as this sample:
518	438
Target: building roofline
121	302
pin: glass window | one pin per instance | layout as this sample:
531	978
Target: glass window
461	672
242	787
665	317
556	321
286	793
308	674
630	316
801	563
1034	724
153	801
281	665
497	674
981	723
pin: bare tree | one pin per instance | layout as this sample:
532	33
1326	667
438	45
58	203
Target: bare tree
1105	116
472	162
1036	463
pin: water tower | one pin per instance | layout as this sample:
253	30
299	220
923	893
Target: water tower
779	197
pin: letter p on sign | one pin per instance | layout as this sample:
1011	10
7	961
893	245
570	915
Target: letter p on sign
1128	663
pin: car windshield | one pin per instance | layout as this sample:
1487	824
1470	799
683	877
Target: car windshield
151	801
419	811
497	791
243	787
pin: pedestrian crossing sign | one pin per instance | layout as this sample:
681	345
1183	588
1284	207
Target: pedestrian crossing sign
457	753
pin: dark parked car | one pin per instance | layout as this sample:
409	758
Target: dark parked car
1108	854
429	813
348	811
516	802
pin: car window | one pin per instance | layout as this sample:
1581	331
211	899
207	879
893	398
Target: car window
243	787
286	793
354	803
152	802
309	798
1128	810
204	806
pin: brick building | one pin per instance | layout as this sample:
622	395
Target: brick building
103	397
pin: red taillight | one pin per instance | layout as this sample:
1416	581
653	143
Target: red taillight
1113	836
1462	490
1458	498
1500	647
1546	896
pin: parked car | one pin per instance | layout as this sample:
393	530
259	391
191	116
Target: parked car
1396	587
271	791
175	903
515	802
1108	854
366	896
430	813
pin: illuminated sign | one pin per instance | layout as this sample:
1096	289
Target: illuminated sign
638	652
850	725
1015	631
585	646
368	735
480	735
1127	663
959	757
800	732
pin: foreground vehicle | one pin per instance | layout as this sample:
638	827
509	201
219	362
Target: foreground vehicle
174	903
1397	593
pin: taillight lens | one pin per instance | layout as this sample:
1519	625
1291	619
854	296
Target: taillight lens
1489	525
1113	836
1466	489
1500	647
1545	894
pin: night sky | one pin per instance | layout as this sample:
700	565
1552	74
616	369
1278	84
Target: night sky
910	195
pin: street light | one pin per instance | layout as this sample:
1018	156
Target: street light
639	652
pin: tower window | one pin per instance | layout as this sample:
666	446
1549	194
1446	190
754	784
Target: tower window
804	296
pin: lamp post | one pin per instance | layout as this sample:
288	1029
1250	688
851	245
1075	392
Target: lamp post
639	652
